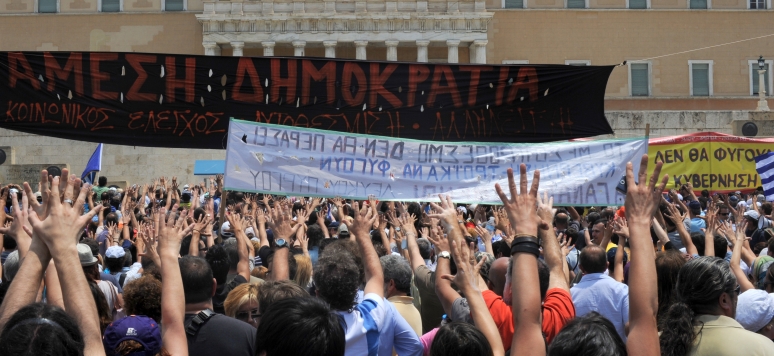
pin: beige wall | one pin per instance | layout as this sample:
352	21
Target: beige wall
613	36
178	33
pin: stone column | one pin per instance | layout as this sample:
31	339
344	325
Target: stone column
238	48
211	48
422	50
268	48
330	49
480	48
453	56
360	49
298	48
392	50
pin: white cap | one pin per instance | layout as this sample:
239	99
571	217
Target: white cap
754	309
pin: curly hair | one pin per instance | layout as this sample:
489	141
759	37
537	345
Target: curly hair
337	277
143	297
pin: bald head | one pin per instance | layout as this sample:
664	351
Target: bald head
593	259
497	274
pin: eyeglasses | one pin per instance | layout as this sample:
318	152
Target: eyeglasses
253	314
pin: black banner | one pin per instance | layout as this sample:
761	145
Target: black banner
161	100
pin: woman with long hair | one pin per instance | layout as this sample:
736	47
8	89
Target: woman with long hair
242	303
668	264
304	272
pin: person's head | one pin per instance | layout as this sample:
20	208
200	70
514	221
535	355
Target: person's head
337	278
458	338
397	276
496	277
588	335
501	249
259	272
721	246
40	329
198	283
11	266
315	235
102	181
142	296
273	291
755	312
723	212
132	335
593	259
698	240
561	219
694	207
114	258
598	231
705	285
425	249
668	264
767	208
217	257
303	274
349	247
733	201
752	217
242	303
300	326
611	259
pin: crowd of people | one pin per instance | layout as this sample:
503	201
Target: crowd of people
161	269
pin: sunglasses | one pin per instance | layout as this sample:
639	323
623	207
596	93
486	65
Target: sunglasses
253	314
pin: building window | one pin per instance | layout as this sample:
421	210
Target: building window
638	4
515	61
698	4
48	6
577	62
700	78
754	77
110	5
576	4
514	4
639	79
757	4
174	5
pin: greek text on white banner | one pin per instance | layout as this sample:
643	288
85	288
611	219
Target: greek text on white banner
285	160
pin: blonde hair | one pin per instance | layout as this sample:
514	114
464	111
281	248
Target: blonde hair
259	272
239	296
304	271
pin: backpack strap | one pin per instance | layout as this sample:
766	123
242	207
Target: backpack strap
193	325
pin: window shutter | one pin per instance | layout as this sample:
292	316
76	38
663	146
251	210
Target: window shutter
514	4
698	4
576	4
754	77
173	5
638	4
111	5
640	79
46	6
700	73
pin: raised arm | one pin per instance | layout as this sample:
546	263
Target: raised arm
641	203
736	257
280	226
415	258
171	235
678	218
552	252
237	225
486	238
447	215
365	217
526	305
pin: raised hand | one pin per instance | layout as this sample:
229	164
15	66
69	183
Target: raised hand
520	207
445	212
620	227
280	224
365	217
675	215
545	210
467	268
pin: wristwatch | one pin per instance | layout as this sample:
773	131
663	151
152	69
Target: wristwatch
397	229
445	254
281	243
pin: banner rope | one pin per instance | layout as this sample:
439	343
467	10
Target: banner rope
699	49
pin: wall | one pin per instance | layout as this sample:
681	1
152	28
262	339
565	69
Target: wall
140	164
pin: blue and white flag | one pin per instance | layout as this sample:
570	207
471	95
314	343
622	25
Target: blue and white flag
764	164
95	165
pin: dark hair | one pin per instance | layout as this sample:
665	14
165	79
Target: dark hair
9	243
142	296
115	265
699	285
28	333
337	278
668	264
588	335
459	338
218	259
593	259
300	326
111	218
611	259
721	246
102	181
324	243
698	241
197	279
232	251
501	249
103	309
349	247
274	291
544	274
315	235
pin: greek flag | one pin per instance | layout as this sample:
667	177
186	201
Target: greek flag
764	164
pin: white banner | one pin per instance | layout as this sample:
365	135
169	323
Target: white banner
286	160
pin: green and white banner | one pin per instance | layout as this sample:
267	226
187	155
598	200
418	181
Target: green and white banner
297	161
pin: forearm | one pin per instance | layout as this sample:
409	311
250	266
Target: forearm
262	234
618	267
443	287
685	237
172	305
482	319
415	258
526	306
53	288
243	266
709	243
193	247
643	295
552	254
488	244
279	264
736	257
373	268
20	295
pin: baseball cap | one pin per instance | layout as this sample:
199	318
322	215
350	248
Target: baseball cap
85	255
223	233
185	187
114	252
733	199
139	328
754	309
334	225
761	197
752	214
343	228
694	205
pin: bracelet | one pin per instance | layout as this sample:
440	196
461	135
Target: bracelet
523	235
528	247
524	238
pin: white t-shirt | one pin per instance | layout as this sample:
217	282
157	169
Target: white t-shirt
364	324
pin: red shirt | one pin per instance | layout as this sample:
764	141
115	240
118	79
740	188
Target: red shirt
558	310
